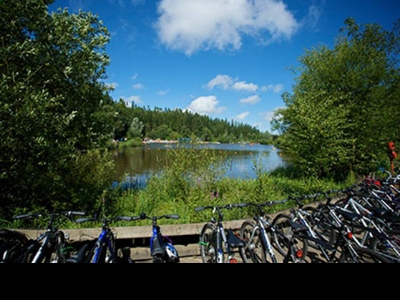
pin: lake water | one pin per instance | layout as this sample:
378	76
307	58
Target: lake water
136	165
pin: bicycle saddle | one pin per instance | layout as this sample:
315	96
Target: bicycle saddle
234	241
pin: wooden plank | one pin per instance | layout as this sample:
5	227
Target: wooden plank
143	253
132	232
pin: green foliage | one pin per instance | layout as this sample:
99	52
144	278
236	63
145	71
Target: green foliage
342	110
53	106
136	129
175	124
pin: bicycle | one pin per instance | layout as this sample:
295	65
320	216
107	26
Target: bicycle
162	250
217	242
375	229
48	247
296	215
256	234
12	243
103	249
260	237
337	223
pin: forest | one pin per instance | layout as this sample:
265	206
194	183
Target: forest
166	124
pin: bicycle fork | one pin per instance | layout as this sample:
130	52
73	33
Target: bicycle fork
267	246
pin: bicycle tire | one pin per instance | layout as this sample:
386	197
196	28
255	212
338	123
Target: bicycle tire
207	242
382	246
13	245
299	246
364	255
82	254
254	251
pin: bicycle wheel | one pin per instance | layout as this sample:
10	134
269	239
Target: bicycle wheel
363	256
208	247
320	225
254	251
83	254
388	247
286	241
13	245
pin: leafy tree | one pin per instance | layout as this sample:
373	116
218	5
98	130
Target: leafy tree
53	108
344	104
136	129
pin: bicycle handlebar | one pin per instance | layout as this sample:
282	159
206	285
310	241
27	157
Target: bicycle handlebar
168	216
142	216
227	206
62	213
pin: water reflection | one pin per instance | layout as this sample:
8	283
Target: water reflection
138	164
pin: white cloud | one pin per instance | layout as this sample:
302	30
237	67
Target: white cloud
227	82
277	88
242	116
242	85
194	25
132	99
162	93
267	115
205	105
311	20
250	100
224	81
135	76
138	86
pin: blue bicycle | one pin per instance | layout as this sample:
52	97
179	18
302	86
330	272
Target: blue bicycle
162	249
103	249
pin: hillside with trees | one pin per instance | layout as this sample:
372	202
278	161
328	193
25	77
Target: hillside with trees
166	124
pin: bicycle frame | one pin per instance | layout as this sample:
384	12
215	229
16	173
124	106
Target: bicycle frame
45	245
162	249
262	225
105	243
50	241
104	240
222	238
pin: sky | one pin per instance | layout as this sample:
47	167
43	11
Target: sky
227	59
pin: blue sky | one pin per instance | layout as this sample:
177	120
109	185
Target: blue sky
227	59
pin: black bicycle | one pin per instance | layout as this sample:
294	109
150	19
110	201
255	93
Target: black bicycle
218	244
49	247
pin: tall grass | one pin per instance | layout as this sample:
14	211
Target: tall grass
195	177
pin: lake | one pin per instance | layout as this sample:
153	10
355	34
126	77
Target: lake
137	164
